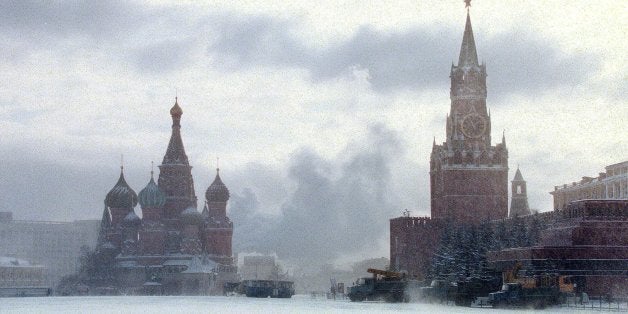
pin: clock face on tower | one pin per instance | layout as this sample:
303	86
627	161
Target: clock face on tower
473	125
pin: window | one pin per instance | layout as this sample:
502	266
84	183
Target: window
518	189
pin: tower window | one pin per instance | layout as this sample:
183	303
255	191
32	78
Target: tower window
518	189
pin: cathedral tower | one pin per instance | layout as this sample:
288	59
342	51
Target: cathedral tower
175	172
120	202
152	232
519	202
468	175
219	228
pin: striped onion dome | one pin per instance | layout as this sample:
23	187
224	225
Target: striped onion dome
151	196
217	191
121	195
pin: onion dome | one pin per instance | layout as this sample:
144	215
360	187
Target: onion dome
121	195
131	220
176	111
151	196
190	216
217	191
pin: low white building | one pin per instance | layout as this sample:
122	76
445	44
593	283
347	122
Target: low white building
259	267
55	246
17	273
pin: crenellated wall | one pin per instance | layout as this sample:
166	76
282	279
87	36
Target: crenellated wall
413	241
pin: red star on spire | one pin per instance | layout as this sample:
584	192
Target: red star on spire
467	3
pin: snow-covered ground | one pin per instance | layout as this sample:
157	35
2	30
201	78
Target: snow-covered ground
184	304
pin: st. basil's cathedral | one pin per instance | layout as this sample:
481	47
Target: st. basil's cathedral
173	249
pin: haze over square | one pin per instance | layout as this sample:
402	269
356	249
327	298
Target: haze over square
342	97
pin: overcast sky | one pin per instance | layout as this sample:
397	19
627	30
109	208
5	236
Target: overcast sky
322	112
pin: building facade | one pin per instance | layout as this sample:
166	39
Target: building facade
258	268
174	249
19	273
611	184
55	246
469	175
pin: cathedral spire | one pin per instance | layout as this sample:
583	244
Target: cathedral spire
468	54
518	176
175	173
504	137
176	152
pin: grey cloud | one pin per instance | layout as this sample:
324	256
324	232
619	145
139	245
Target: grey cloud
125	31
95	19
413	59
416	59
37	189
164	56
250	226
337	206
16	112
531	64
244	43
267	183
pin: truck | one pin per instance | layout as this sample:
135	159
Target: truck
437	292
266	288
466	291
462	292
536	291
515	294
384	285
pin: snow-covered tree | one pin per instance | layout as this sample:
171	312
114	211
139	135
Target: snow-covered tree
534	231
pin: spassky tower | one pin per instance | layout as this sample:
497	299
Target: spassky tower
468	175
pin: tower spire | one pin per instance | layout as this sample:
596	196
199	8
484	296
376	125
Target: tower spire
175	173
504	137
468	53
519	201
518	176
176	152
